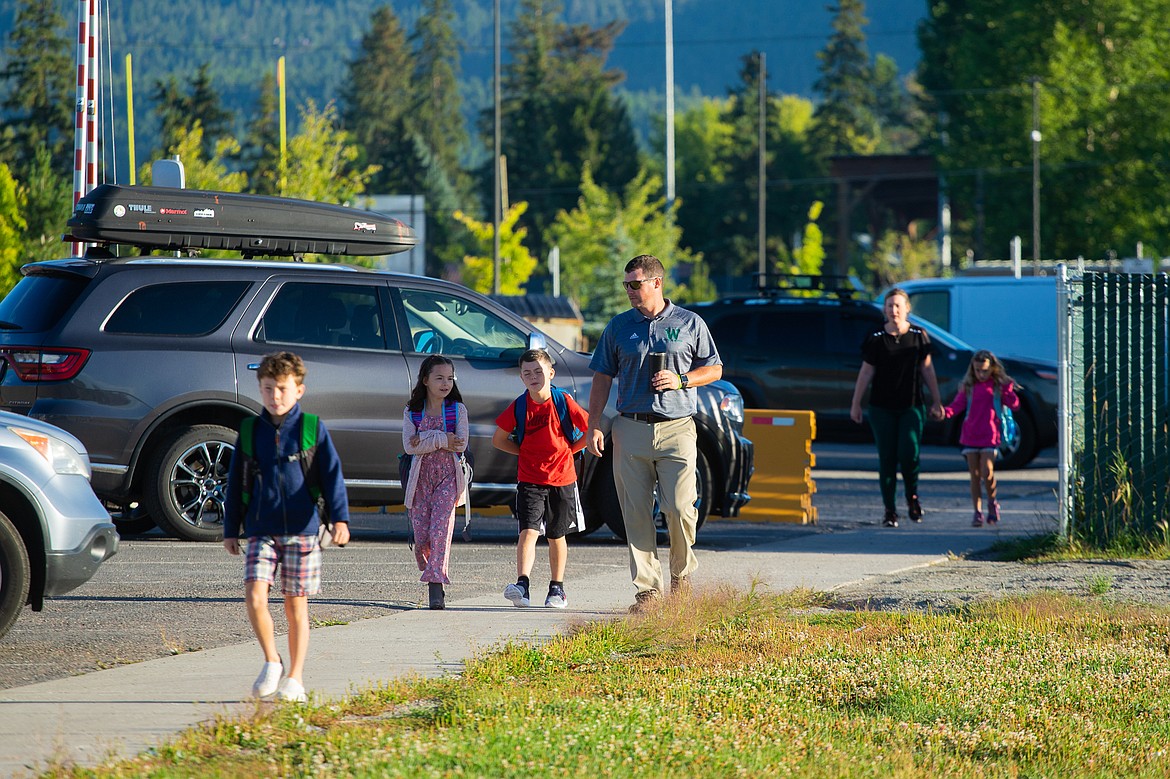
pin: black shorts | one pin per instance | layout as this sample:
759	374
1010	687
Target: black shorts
551	510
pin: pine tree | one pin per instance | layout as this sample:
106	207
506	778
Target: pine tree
845	122
376	102
177	111
41	87
559	113
437	109
260	153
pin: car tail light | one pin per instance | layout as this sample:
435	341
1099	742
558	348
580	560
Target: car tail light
45	365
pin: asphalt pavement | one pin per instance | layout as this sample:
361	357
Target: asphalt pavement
123	710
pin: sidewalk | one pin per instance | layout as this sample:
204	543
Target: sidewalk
126	709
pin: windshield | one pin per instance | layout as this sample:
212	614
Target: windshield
37	302
939	335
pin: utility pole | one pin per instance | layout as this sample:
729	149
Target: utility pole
669	105
1035	176
762	195
496	215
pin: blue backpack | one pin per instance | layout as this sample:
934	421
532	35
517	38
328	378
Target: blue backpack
450	417
560	405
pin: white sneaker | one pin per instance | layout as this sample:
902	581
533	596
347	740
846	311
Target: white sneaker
556	598
291	690
517	594
268	680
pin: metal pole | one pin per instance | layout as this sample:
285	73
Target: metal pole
762	195
669	105
1035	176
1064	414
496	215
81	116
93	95
130	117
283	114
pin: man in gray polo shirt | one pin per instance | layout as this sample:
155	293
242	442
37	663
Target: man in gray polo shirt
654	438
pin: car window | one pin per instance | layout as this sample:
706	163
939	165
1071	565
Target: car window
932	305
734	332
442	322
784	332
37	302
343	315
187	308
851	329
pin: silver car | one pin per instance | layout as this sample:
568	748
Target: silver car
54	532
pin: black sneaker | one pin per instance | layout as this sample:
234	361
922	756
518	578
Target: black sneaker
914	508
891	519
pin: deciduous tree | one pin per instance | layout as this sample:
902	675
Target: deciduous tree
605	230
516	262
12	227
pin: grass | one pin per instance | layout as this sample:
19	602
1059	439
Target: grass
1050	547
744	684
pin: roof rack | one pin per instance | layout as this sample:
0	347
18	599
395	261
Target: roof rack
803	286
165	218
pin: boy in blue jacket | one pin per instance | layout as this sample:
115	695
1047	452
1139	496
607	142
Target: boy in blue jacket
274	489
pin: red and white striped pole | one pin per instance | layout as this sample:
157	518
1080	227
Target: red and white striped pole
82	113
93	89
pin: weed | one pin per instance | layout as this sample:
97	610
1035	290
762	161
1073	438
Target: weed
1099	584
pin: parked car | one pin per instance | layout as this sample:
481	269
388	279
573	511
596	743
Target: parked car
1011	317
54	532
150	362
797	345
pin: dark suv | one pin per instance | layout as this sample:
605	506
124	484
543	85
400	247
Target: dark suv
797	345
150	362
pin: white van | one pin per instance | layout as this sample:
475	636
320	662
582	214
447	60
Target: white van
1011	317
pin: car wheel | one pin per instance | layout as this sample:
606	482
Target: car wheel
187	491
15	574
703	486
1025	450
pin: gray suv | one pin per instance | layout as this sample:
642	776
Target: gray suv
53	531
150	362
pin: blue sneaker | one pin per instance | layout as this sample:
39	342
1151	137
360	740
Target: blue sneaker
556	597
518	594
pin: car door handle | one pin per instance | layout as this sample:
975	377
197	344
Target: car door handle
253	366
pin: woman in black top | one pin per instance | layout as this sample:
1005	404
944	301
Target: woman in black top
896	360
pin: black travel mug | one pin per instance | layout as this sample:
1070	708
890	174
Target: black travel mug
657	363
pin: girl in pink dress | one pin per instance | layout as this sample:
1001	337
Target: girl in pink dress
979	436
437	483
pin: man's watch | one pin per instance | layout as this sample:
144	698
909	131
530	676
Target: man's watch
683	381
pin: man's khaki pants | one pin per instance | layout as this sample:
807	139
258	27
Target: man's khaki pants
664	454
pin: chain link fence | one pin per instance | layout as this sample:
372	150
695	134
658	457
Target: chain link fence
1114	376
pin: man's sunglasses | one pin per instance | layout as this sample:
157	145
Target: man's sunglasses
638	283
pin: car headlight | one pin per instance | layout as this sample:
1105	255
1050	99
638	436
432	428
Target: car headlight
732	408
62	457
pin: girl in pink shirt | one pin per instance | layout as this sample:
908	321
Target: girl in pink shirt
979	435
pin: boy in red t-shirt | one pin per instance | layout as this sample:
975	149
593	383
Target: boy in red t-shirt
546	488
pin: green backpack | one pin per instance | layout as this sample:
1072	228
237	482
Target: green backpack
306	456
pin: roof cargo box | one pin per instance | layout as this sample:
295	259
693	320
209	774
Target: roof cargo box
167	218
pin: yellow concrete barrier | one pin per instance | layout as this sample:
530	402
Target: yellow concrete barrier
782	486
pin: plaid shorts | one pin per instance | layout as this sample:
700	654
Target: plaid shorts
299	558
